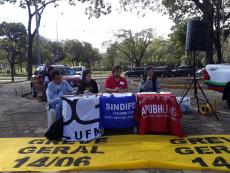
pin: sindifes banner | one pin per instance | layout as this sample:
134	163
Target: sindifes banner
210	152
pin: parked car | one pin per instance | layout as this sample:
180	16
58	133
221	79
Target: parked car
183	70
217	78
37	79
135	72
79	70
162	71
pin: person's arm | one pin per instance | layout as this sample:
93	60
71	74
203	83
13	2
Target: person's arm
81	88
107	86
135	83
51	93
68	88
125	90
142	86
95	87
109	90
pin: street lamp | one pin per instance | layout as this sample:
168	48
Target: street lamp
57	53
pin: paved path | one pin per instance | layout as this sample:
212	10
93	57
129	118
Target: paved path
22	117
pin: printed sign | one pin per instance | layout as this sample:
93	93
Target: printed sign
117	110
81	118
210	152
158	113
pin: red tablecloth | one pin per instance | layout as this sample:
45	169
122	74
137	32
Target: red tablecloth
158	113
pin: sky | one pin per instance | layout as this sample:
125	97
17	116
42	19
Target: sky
72	23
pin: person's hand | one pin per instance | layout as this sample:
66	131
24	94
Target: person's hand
117	89
148	78
121	91
87	92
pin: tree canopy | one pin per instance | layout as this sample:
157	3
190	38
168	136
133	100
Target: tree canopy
35	9
12	43
133	45
216	12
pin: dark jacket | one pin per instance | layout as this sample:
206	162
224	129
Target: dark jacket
153	87
91	86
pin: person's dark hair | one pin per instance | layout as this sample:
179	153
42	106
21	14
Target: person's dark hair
85	73
146	70
54	73
116	68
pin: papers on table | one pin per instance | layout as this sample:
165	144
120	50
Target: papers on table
155	93
117	94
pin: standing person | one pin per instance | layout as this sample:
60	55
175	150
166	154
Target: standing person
56	89
116	83
87	85
150	83
47	78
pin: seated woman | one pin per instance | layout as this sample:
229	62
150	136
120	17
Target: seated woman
87	85
149	83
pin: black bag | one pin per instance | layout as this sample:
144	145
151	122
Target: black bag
55	131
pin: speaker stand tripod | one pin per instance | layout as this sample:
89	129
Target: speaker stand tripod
197	86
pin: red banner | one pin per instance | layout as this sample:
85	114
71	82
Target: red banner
158	113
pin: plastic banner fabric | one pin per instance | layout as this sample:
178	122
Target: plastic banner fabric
117	110
81	118
158	113
211	152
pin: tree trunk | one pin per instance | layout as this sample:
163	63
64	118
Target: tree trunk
218	40
21	67
218	48
12	71
29	57
137	63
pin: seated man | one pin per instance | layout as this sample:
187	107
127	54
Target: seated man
57	88
116	83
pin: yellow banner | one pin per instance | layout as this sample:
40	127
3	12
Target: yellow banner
211	152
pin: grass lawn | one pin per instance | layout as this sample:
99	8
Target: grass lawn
8	75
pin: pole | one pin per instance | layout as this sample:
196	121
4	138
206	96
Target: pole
37	49
57	49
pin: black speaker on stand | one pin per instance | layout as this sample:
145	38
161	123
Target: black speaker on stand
197	40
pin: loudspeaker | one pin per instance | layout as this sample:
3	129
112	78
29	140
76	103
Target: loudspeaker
197	35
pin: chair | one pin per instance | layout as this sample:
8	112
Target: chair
51	115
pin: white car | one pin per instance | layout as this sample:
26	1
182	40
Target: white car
217	78
79	70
